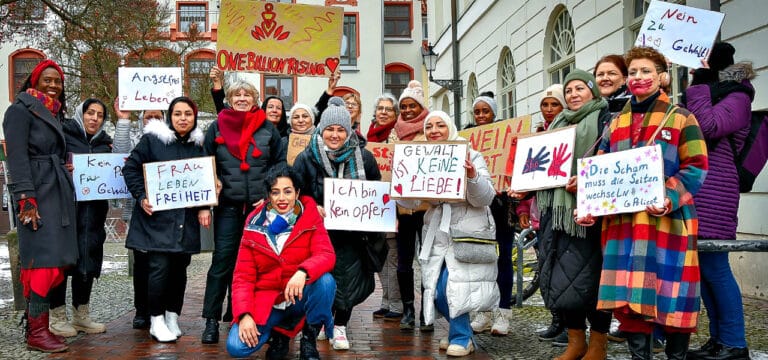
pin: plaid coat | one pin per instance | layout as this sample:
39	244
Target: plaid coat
650	264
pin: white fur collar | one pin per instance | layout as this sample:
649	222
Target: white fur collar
161	130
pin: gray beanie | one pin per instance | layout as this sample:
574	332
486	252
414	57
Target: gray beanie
335	114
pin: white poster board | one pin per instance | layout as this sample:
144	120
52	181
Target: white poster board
682	33
620	182
99	176
358	205
181	183
148	88
429	170
543	160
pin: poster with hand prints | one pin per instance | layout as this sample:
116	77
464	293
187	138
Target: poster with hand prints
620	182
543	160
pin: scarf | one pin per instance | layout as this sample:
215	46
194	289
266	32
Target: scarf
408	129
309	131
558	200
380	133
618	99
53	105
237	128
278	226
345	162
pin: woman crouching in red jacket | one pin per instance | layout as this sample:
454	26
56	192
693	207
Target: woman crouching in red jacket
282	281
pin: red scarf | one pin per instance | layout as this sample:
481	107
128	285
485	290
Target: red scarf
237	128
408	129
53	105
380	133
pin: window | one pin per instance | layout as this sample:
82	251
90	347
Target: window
198	66
282	87
192	16
340	2
507	85
396	78
561	48
472	94
160	57
397	20
349	41
28	11
22	62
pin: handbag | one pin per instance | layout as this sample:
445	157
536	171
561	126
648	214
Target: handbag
474	250
376	251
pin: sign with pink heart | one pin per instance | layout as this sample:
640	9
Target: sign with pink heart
359	205
430	170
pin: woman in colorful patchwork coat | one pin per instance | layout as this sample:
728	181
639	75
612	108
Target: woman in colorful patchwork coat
650	265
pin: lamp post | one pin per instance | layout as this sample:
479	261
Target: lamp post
454	85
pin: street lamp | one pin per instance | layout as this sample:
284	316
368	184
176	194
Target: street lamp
430	61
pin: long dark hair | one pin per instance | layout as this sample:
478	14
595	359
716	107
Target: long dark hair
175	101
282	125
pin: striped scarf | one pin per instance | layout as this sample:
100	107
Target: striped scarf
345	162
53	105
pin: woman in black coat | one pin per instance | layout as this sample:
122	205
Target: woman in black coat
42	189
335	151
85	135
169	237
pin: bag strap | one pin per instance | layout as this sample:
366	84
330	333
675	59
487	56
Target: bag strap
663	122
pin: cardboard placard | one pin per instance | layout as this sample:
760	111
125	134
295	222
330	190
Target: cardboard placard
358	204
99	176
620	182
684	34
497	142
429	170
296	144
181	183
544	160
277	38
382	152
148	88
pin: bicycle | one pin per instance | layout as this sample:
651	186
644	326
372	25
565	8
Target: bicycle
526	240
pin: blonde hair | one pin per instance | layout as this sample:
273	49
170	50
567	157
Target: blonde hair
238	85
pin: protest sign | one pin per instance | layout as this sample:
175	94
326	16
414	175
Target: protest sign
682	33
497	142
181	183
296	144
148	88
429	170
621	182
99	176
358	205
543	160
383	154
276	38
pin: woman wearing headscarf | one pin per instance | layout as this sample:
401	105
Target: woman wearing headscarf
168	237
36	151
85	135
301	122
334	151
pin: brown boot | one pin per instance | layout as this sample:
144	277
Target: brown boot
598	346
577	345
40	338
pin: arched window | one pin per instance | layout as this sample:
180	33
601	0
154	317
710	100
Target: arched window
157	57
21	64
472	94
197	66
506	83
561	46
396	77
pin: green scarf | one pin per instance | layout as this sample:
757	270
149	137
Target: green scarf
558	200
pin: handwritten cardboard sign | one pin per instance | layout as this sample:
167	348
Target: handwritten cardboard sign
382	152
543	160
497	142
181	183
276	38
296	144
99	176
682	33
621	182
358	204
148	88
429	170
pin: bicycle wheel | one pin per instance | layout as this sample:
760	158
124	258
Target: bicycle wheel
530	269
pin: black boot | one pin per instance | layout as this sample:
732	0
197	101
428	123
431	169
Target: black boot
554	329
408	322
278	346
639	345
677	345
728	353
709	348
308	342
211	332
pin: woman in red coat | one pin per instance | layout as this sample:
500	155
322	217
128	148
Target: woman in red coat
282	281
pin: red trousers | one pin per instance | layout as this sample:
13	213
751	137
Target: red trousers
634	323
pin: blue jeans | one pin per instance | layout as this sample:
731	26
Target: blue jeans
459	330
722	299
315	305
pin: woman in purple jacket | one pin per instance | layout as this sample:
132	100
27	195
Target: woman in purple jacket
720	96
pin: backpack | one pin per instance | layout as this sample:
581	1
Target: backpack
752	157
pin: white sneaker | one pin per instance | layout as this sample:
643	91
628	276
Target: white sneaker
340	341
482	322
444	343
321	335
159	330
458	350
500	322
172	322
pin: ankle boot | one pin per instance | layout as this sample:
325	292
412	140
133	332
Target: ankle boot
40	338
554	329
59	324
677	345
577	345
278	346
308	343
172	322
81	321
159	330
408	322
639	345
211	332
598	346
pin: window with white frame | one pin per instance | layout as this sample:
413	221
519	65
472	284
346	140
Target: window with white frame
472	94
349	46
562	54
280	86
397	20
192	16
199	82
506	85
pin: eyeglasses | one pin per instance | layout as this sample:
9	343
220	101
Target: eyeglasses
352	105
385	108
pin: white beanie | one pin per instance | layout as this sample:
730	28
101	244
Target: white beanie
556	92
415	92
488	100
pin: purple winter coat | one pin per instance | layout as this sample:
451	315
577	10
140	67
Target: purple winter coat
717	202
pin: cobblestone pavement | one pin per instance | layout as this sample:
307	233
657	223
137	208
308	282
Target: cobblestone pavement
112	303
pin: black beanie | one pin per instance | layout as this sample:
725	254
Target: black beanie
721	56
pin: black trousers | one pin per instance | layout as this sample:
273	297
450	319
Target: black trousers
167	281
228	229
141	283
599	321
81	291
409	227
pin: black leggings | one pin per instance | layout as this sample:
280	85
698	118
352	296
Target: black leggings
81	291
167	281
341	317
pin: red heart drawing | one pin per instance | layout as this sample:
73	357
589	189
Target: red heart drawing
385	199
399	188
332	64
